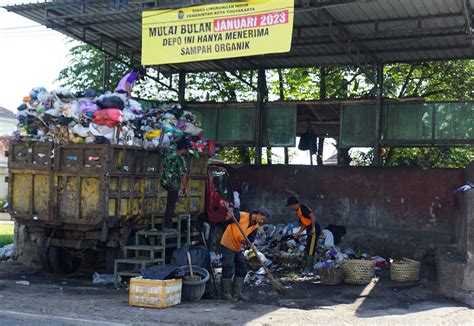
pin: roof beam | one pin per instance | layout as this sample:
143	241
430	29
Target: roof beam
296	27
389	36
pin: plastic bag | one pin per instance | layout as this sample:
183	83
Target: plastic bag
88	106
110	102
153	134
35	91
105	278
193	130
81	131
101	131
108	117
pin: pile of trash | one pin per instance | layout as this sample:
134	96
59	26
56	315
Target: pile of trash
281	250
62	117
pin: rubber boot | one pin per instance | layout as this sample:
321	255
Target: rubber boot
226	285
238	287
308	266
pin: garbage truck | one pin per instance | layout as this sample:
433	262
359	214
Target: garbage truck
85	202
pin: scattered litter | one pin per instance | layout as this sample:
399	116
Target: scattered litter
466	187
104	278
22	283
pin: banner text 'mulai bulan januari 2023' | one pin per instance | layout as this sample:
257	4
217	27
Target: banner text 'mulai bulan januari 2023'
217	31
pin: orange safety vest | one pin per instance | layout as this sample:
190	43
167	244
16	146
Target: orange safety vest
232	237
303	219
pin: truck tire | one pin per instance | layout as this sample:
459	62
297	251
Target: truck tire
63	262
42	254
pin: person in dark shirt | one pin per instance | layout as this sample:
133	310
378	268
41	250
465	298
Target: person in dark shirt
308	222
233	260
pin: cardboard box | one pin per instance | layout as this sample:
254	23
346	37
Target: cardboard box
154	293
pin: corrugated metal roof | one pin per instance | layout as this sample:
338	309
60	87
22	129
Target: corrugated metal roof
331	32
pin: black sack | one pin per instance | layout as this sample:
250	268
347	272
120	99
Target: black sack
308	141
159	272
110	102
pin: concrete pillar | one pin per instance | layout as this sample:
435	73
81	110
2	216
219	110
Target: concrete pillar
468	283
468	234
378	115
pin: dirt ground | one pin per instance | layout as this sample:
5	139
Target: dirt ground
74	300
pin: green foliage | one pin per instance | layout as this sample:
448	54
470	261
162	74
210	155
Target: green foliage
452	157
85	69
434	81
236	155
219	87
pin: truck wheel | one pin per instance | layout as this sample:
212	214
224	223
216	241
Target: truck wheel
63	262
90	257
42	254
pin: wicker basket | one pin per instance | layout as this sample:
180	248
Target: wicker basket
331	275
405	270
359	271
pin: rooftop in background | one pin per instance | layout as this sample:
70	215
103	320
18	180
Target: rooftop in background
326	32
7	114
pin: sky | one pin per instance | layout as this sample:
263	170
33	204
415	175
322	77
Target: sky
32	55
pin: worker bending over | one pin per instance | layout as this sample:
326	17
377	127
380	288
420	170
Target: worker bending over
233	261
308	223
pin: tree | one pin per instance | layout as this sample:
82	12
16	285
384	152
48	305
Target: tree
85	69
451	80
446	157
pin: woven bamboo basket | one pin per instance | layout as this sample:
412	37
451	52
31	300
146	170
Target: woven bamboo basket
331	275
359	271
405	270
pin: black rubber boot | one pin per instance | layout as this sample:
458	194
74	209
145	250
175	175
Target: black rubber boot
238	287
308	266
226	285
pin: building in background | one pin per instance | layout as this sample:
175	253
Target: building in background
7	126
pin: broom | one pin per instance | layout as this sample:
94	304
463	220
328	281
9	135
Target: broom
276	285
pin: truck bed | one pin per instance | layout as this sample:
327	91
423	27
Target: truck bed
82	186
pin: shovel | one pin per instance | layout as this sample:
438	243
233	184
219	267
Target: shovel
276	285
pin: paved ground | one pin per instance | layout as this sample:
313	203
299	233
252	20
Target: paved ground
54	300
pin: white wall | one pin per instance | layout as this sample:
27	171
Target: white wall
7	126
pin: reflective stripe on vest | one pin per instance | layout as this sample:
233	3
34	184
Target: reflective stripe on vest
304	220
232	237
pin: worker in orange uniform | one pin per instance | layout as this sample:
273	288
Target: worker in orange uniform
313	230
233	261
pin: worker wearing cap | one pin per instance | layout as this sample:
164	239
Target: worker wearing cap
125	85
308	222
233	261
